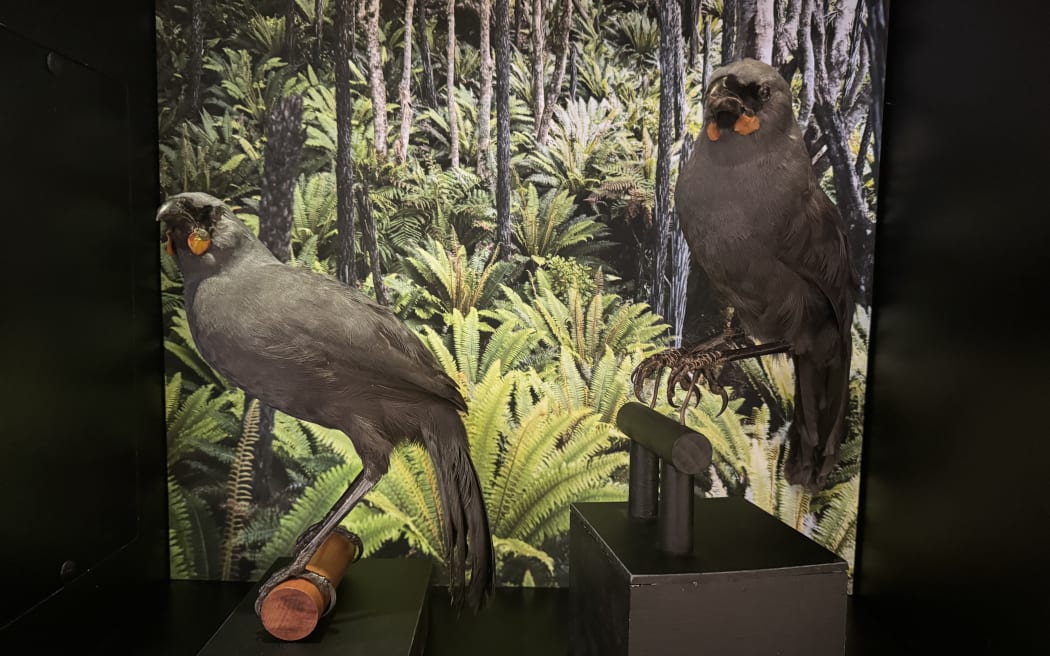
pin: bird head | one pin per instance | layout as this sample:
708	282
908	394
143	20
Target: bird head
746	97
201	231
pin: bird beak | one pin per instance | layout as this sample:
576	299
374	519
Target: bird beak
722	99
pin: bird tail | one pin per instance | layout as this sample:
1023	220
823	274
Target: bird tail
819	424
468	537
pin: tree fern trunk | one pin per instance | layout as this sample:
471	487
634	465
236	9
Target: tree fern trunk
453	118
539	63
289	32
376	82
729	14
346	266
708	56
692	21
368	232
503	228
519	22
429	88
785	40
284	143
754	31
573	75
405	89
485	105
195	64
554	90
318	32
670	65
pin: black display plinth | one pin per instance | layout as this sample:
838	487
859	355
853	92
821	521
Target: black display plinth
751	586
380	611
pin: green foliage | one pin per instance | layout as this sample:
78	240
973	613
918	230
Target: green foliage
546	225
541	340
450	279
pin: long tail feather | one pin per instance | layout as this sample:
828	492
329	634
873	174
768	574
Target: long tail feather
468	538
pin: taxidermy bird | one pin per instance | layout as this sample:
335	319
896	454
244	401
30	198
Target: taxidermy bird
774	246
321	351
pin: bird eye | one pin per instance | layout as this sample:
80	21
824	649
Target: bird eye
764	92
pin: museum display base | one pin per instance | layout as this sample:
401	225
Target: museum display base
751	586
381	610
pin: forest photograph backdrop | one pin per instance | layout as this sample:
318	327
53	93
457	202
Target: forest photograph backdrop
500	174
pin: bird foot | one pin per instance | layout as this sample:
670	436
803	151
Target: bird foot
296	569
701	362
305	547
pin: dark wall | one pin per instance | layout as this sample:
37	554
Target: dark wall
81	424
955	503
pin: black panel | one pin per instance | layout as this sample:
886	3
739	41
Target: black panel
955	510
66	358
81	409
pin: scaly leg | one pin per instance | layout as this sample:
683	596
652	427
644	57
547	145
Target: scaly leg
688	365
316	535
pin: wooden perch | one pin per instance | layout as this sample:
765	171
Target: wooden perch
294	608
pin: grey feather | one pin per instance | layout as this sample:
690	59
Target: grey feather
775	247
322	351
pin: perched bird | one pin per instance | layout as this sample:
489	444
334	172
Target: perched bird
321	351
774	246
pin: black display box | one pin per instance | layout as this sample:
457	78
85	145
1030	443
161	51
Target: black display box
752	586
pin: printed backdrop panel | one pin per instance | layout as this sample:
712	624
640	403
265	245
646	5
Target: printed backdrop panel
362	139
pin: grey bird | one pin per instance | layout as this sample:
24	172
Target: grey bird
774	246
321	351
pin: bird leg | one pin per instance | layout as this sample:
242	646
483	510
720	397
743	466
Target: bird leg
312	539
702	361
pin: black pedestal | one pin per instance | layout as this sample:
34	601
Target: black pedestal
751	586
380	611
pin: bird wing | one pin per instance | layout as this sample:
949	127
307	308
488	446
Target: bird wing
822	256
280	331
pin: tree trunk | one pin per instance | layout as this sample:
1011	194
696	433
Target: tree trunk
368	233
503	228
453	115
574	79
404	91
289	32
519	22
346	255
318	32
785	41
754	32
692	21
848	195
842	29
670	18
708	57
554	89
729	14
485	105
875	40
284	143
195	65
539	58
375	77
429	88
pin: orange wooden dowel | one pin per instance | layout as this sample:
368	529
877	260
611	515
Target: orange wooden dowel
293	609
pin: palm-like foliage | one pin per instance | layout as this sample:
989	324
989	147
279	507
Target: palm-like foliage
585	135
546	225
587	326
450	279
